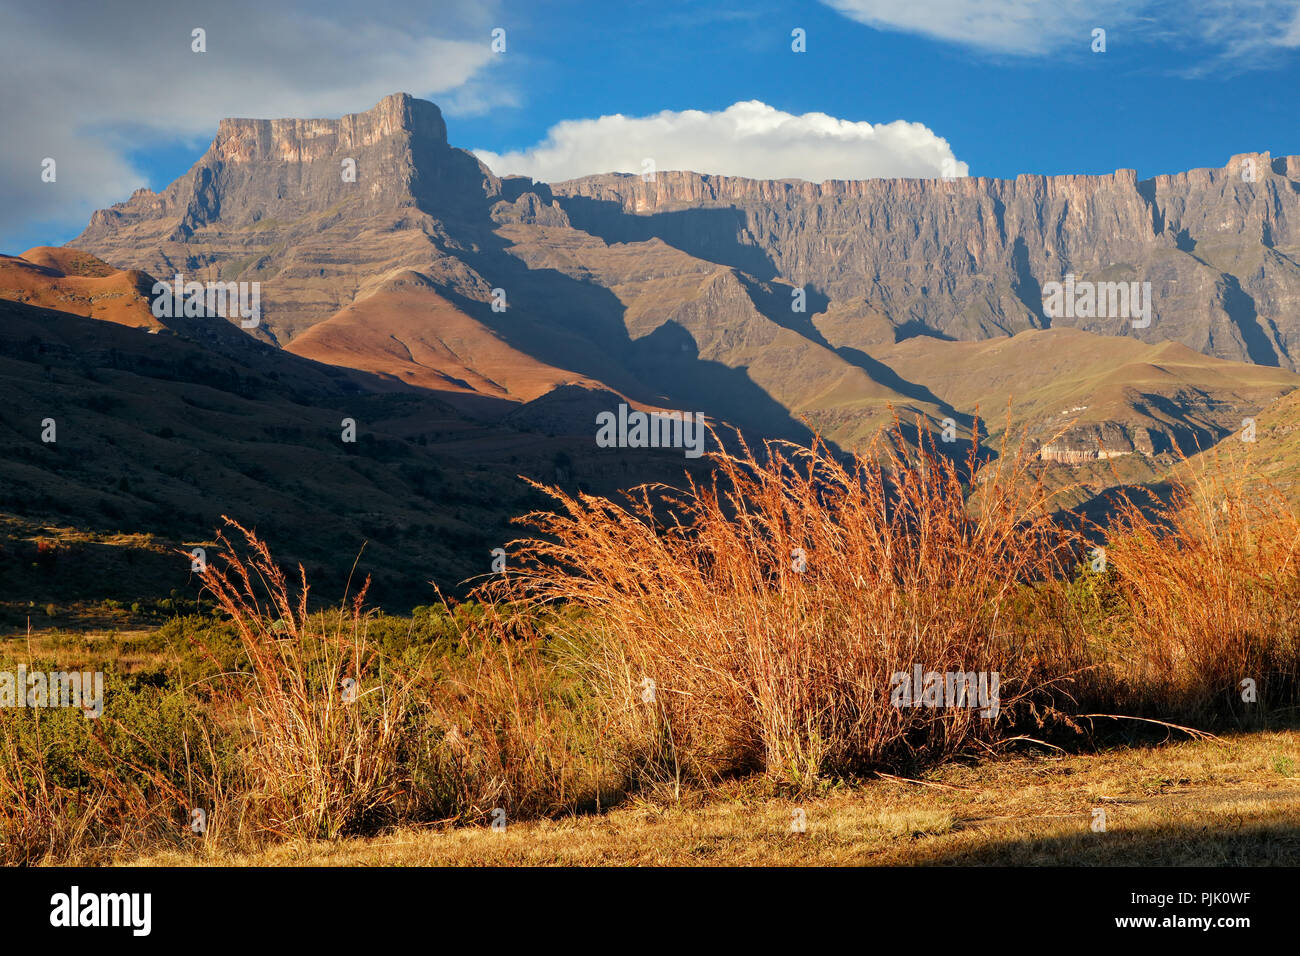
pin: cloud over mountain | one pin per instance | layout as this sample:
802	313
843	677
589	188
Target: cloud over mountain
746	139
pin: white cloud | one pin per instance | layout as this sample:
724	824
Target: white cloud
95	84
1003	26
1237	31
1244	29
1291	37
746	139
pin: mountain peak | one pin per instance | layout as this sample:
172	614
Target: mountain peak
241	140
378	184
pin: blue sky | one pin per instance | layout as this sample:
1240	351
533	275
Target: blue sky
1071	111
1002	86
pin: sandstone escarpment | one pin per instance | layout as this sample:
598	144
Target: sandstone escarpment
1098	443
965	258
968	258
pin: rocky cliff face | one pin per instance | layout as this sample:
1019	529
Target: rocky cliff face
1099	443
968	259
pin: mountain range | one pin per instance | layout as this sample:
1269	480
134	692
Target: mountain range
685	291
476	324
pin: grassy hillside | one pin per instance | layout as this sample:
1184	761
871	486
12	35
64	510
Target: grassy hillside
1055	379
1273	458
77	282
161	434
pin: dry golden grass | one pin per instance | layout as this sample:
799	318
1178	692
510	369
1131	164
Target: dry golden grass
339	737
1210	587
1210	802
324	719
130	650
715	657
756	622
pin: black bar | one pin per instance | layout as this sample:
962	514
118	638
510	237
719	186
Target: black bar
608	908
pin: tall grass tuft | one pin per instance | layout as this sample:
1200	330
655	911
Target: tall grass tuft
323	716
1209	586
508	729
756	621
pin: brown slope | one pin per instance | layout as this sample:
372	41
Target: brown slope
77	282
408	331
162	434
1271	460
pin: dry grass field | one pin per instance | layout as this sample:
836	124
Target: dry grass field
1234	801
711	674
